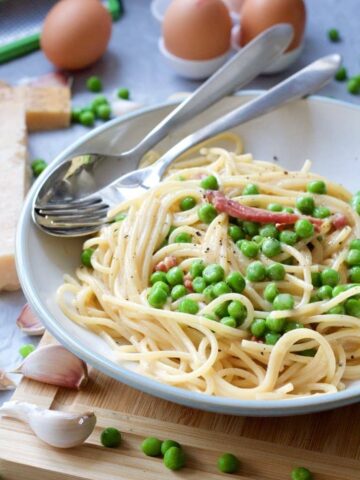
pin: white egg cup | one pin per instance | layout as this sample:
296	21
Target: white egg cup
193	69
279	65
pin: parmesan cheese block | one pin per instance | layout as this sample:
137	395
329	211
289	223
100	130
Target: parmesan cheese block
47	107
13	185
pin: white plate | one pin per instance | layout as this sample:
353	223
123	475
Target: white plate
322	129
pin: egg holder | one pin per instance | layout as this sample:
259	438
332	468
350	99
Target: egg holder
201	69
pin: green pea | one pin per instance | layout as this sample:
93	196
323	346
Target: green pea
288	210
355	203
270	292
183	237
175	276
289	237
229	322
352	307
301	473
237	310
305	205
275	207
236	282
221	288
235	233
221	310
310	352
187	203
355	244
341	75
178	291
75	115
110	437
213	273
119	217
38	166
291	325
87	119
249	249
26	349
209	293
209	183
353	258
228	463
86	256
276	271
316	279
337	310
334	36
338	289
163	285
269	231
354	274
189	306
174	458
123	93
284	301
157	298
198	284
151	446
304	228
256	272
166	444
321	212
251	228
250	189
239	242
271	338
103	112
197	268
314	298
316	186
324	292
210	316
94	84
258	327
158	277
99	100
353	86
271	247
258	239
329	276
207	213
275	324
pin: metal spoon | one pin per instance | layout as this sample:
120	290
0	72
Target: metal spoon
87	215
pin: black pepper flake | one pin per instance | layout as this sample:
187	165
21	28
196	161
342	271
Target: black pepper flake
286	172
261	353
198	234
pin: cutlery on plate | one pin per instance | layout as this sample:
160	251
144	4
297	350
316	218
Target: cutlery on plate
87	215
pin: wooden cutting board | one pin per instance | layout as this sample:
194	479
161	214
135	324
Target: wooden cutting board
327	443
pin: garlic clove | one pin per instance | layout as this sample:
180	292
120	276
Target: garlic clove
59	429
55	365
121	107
5	382
29	323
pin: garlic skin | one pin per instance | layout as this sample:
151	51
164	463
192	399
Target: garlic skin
5	382
121	107
58	429
29	323
55	365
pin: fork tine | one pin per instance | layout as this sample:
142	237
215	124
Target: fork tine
50	224
99	208
82	203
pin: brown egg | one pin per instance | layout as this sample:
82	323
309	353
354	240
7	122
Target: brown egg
258	15
197	29
76	33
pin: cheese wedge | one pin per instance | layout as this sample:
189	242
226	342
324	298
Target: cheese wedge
13	185
47	108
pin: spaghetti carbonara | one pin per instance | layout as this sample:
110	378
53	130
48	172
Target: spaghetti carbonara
232	277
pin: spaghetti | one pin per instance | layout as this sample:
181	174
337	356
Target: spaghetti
252	295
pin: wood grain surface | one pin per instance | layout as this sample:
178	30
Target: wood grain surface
326	443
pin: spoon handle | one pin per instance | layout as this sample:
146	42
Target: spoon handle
247	64
304	82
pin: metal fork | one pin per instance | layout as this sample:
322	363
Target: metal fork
87	215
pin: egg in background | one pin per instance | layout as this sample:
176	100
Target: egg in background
258	15
197	29
76	33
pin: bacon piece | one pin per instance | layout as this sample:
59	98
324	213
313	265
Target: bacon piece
166	264
188	284
255	339
339	221
237	210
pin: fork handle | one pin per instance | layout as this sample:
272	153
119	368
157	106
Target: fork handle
247	64
306	81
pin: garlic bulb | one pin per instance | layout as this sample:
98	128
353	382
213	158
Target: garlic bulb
29	323
55	365
59	429
5	381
